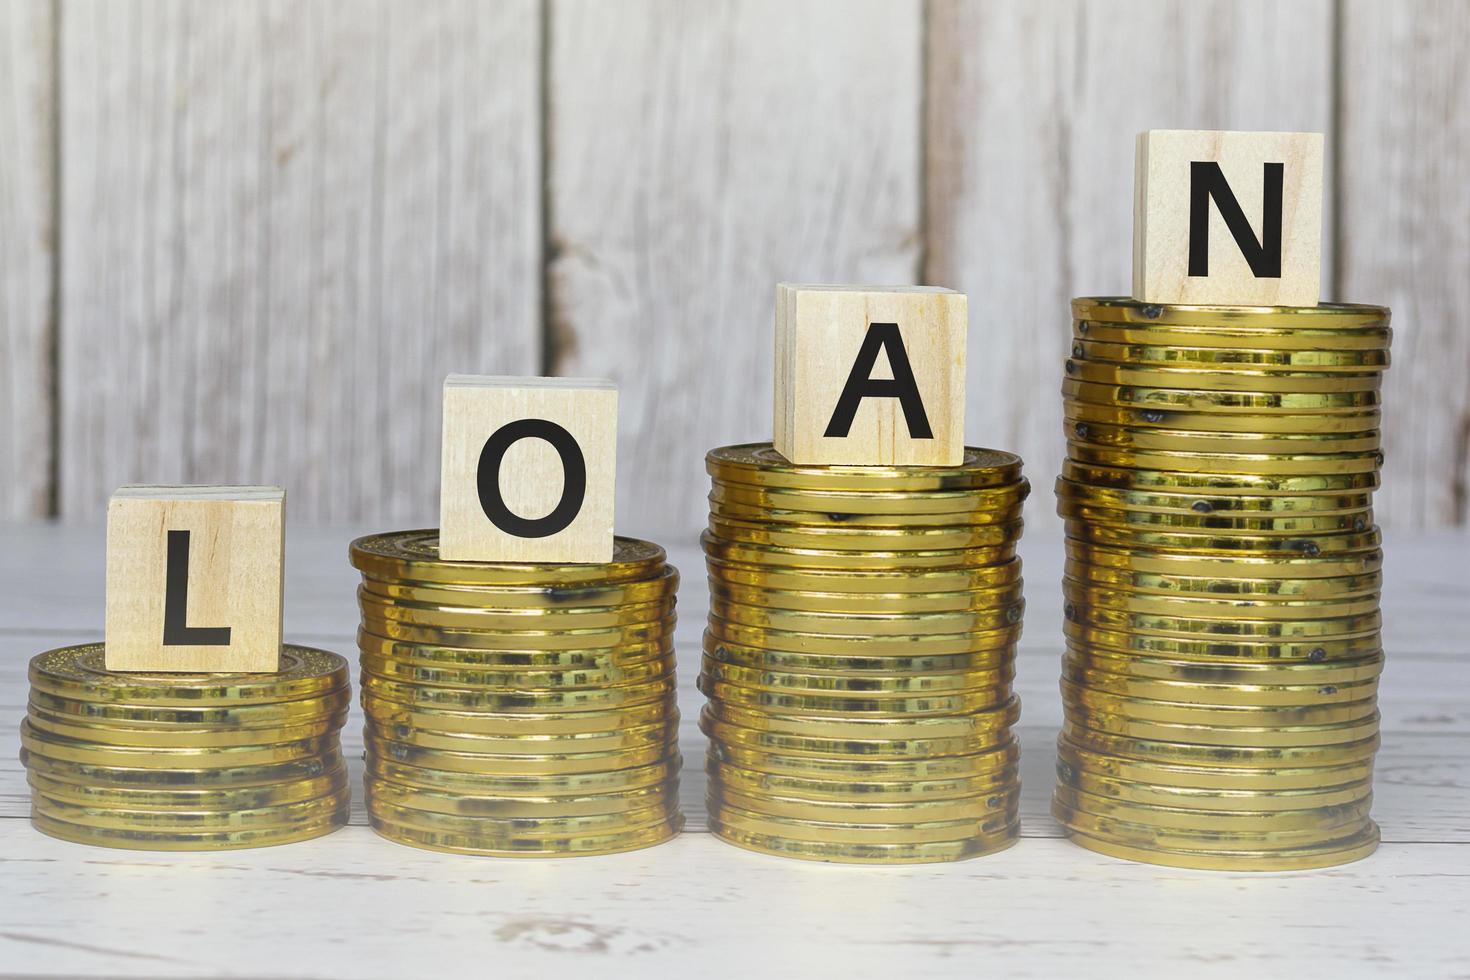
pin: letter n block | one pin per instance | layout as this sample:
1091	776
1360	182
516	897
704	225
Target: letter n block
528	469
194	579
870	375
1231	219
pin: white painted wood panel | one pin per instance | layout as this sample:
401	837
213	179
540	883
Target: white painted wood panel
1405	237
27	254
1032	112
699	153
282	225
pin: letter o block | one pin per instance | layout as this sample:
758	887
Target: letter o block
1230	219
870	376
194	579
528	468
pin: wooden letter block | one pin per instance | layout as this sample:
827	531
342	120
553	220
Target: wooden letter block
194	579
1227	218
870	376
528	469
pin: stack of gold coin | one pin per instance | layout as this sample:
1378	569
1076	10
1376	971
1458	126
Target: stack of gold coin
859	656
518	709
1222	583
182	762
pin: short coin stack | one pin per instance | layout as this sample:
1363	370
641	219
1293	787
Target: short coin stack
859	656
518	709
184	762
1222	583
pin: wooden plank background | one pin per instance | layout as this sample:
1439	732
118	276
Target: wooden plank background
244	242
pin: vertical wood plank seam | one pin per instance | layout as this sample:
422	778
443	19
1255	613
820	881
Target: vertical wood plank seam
921	258
1334	157
549	352
53	302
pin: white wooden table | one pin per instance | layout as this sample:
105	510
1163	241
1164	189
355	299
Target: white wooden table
352	905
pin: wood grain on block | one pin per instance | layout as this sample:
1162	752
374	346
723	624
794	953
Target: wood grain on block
194	578
870	375
528	470
1227	218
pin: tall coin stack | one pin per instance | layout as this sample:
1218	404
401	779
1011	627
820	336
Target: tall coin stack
1222	583
859	656
518	709
182	762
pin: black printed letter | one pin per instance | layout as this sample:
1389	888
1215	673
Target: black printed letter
176	631
574	484
1207	180
860	385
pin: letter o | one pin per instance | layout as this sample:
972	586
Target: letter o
574	483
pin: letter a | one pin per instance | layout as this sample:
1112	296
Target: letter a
861	384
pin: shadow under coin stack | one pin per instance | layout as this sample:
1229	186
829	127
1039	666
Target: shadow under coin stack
1222	583
518	709
180	762
859	656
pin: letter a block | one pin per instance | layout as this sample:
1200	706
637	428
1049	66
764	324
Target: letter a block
528	469
870	376
1232	219
194	579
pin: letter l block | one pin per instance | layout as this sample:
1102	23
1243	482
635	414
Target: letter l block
869	376
194	579
528	469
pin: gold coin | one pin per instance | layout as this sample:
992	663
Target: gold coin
725	814
145	840
188	738
864	814
661	587
1223	822
1353	848
527	743
849	853
518	786
1213	800
1205	400
1267	423
855	664
190	821
1269	734
1250	757
543	847
866	581
525	680
79	673
1153	438
1309	675
1213	607
857	643
872	505
1366	625
1210	379
550	764
865	539
1273	778
867	603
869	624
784	703
142	717
413	556
847	770
1230	465
1216	695
761	783
519	828
1094	702
759	465
1351	321
1337	565
592	658
1224	650
881	685
180	780
1266	360
1216	484
1332	546
500	808
468	699
975	522
1208	522
1227	589
828	736
1211	502
1208	834
470	722
550	639
176	798
557	620
779	557
151	757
